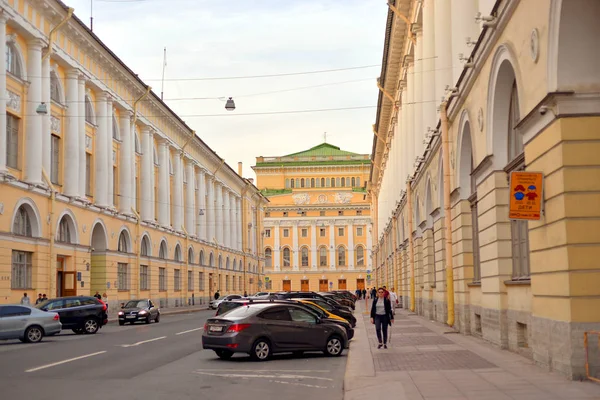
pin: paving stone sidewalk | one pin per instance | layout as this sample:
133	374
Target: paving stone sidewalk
424	363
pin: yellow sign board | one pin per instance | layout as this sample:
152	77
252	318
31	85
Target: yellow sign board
525	195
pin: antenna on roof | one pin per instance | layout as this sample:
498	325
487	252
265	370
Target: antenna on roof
162	85
325	137
92	15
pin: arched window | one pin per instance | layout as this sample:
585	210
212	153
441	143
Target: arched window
145	249
13	62
323	257
343	182
360	256
312	182
227	263
177	254
89	111
333	182
292	183
191	255
341	256
211	260
322	182
55	90
201	257
22	224
318	181
353	182
234	264
162	252
287	183
64	231
302	182
357	182
297	182
328	182
122	247
286	257
305	256
337	182
115	128
268	257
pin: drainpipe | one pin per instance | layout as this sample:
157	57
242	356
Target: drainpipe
411	244
187	261
135	107
395	254
54	30
447	216
139	247
52	258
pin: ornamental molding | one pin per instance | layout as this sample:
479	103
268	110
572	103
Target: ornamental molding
343	197
55	124
14	100
301	198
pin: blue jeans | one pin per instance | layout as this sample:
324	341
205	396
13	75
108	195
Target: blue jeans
381	324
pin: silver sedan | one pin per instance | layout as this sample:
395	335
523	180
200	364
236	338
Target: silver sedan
27	324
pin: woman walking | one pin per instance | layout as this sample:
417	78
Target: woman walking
382	316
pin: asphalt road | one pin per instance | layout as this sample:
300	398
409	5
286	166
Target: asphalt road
158	361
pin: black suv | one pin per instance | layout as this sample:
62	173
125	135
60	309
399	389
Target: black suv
82	314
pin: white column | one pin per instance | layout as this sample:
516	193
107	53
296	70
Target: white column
33	138
46	123
233	220
240	206
350	261
463	26
219	212
210	210
295	249
177	193
418	133
3	19
200	210
332	260
443	48
71	153
153	184
164	199
410	116
102	154
313	245
226	220
276	246
82	135
146	178
428	85
403	136
109	144
125	174
369	250
190	201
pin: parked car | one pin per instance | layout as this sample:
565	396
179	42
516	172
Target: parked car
346	293
139	311
213	304
340	299
340	312
82	314
28	324
326	315
263	329
229	305
312	295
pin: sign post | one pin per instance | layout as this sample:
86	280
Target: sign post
526	193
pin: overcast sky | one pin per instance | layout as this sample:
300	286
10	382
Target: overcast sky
219	38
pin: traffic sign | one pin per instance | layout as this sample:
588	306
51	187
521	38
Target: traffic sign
526	190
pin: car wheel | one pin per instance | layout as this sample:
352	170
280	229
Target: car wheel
91	326
224	354
334	346
261	350
121	323
157	319
78	331
34	334
147	319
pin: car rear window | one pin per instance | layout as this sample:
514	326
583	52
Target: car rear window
242	312
14	311
227	306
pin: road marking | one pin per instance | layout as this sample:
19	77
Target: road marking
283	376
64	361
300	384
270	370
191	330
144	341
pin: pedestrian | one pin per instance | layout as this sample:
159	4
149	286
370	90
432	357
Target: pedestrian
44	297
373	293
217	295
393	300
245	294
98	295
364	293
39	299
381	316
25	300
387	293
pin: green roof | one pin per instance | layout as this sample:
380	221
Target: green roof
324	149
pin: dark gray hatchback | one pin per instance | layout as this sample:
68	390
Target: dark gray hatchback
266	328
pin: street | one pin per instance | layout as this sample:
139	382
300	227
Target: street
155	361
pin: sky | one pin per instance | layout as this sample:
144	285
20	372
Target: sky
221	39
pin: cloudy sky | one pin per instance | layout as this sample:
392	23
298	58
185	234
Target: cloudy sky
218	38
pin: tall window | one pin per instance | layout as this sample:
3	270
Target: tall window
201	281
292	183
343	182
286	257
286	233
358	182
340	231
21	270
12	141
312	182
123	276
177	255
201	260
13	63
115	186
359	231
177	280
89	111
305	256
22	223
162	252
162	279
64	234
54	158
145	250
144	277
333	182
360	256
304	232
88	174
302	182
475	227
191	281
353	182
322	232
341	256
267	233
323	257
322	182
190	256
268	258
54	88
122	247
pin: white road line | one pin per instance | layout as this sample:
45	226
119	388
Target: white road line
64	361
269	370
191	330
142	342
300	384
282	376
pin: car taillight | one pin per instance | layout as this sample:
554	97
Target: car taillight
206	327
56	318
237	328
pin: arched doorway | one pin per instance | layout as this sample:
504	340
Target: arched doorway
98	265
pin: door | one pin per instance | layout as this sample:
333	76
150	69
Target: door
341	284
278	325
360	284
69	284
59	283
210	284
287	286
308	333
323	285
13	320
304	285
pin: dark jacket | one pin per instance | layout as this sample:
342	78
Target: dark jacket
387	305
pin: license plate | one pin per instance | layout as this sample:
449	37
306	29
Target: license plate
130	317
216	329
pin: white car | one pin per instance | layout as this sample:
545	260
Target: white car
214	304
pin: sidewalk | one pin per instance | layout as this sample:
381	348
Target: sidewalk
113	317
423	363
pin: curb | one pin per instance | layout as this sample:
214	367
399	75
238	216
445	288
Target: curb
173	312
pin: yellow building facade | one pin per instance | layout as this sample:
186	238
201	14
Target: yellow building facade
317	227
103	188
516	89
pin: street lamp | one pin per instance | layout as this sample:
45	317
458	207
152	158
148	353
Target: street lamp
230	105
